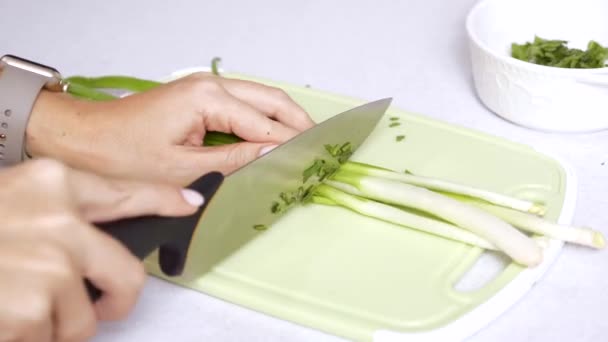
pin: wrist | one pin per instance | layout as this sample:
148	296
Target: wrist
57	127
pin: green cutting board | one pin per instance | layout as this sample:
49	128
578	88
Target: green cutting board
330	269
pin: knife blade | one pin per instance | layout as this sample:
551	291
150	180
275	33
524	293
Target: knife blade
246	196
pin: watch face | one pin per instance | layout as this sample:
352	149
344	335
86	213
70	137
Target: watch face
31	66
54	77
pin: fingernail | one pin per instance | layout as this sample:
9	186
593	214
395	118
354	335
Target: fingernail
266	149
193	198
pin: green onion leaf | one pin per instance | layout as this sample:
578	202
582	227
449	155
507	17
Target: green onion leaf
214	63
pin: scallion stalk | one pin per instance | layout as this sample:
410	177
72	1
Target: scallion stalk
442	185
534	224
220	138
214	66
505	237
133	84
328	195
78	90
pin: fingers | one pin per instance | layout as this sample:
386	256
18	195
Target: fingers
224	158
271	101
59	272
41	285
25	313
115	271
26	324
74	314
102	199
42	294
230	115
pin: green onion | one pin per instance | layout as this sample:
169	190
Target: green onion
328	195
114	82
534	224
81	91
441	185
220	138
214	63
505	237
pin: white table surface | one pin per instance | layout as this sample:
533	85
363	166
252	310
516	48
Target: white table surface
414	51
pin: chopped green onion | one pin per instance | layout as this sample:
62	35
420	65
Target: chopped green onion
260	227
555	53
312	170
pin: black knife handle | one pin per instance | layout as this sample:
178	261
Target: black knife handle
171	235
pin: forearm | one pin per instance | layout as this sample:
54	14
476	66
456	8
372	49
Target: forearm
63	128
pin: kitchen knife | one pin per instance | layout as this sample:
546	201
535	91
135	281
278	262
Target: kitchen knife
243	201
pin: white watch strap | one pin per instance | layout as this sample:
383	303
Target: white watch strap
19	90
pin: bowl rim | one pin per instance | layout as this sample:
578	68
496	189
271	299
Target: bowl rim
514	61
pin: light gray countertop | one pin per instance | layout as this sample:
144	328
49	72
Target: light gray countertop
414	51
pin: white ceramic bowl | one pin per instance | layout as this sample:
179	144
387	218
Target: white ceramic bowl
535	96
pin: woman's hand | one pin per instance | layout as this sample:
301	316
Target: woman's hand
48	247
157	135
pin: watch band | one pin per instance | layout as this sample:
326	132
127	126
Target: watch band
20	83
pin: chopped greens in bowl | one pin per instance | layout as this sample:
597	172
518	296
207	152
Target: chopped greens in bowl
556	53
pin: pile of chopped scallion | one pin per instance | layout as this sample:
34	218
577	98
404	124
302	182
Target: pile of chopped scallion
556	53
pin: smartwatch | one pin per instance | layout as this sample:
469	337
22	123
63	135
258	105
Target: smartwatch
21	81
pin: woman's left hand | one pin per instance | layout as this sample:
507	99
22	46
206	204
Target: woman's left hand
157	135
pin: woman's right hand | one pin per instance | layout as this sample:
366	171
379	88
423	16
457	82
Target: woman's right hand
48	247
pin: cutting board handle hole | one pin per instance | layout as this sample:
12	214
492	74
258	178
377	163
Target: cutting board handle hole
487	267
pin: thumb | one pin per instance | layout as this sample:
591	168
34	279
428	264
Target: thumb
102	199
228	158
